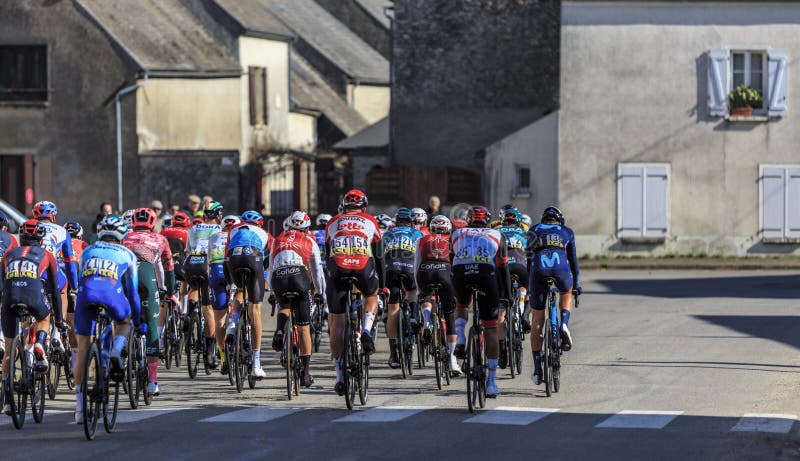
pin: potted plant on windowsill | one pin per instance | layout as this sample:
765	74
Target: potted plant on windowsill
743	100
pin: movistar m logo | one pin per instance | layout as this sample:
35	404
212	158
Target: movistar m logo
551	261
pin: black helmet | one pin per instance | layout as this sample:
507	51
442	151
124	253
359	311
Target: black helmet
552	212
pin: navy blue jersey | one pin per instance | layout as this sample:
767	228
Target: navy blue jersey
553	248
516	242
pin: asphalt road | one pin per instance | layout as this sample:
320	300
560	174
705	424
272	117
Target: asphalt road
666	365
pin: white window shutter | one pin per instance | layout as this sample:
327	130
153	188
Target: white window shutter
778	74
793	203
718	82
631	201
655	210
773	205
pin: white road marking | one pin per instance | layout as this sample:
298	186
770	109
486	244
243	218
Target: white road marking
634	419
515	416
382	414
133	416
755	422
252	415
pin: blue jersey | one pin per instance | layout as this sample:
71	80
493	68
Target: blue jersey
321	236
400	245
517	244
249	235
58	242
108	276
553	249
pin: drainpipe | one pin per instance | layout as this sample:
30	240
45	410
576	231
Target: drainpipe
117	98
388	11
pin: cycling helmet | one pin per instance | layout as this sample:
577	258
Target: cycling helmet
228	222
44	209
299	220
512	216
384	221
322	220
3	220
552	212
181	219
32	231
144	218
197	220
418	216
112	226
459	223
495	224
478	216
341	209
74	229
354	199
253	217
127	217
527	220
440	225
213	210
403	215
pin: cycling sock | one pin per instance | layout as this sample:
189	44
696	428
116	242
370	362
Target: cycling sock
257	357
426	314
460	324
451	347
306	361
565	316
492	365
41	338
161	337
537	366
221	351
339	374
521	305
369	319
152	368
78	397
413	309
119	343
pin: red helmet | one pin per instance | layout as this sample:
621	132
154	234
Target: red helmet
354	199
479	216
459	223
180	220
197	220
144	218
44	209
32	230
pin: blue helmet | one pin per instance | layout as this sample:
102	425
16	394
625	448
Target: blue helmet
403	215
253	217
44	209
112	226
511	216
74	229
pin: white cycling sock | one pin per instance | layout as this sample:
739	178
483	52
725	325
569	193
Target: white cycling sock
426	314
521	306
78	397
460	324
369	319
339	374
257	358
74	356
452	348
161	337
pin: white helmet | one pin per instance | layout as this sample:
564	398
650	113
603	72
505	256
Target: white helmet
228	222
127	217
527	220
440	225
299	220
418	216
322	219
286	223
112	226
384	221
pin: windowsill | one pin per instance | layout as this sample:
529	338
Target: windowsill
643	239
748	118
34	104
780	240
521	195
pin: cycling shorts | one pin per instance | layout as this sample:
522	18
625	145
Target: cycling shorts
117	308
39	310
519	271
195	269
483	276
252	262
437	273
148	294
217	287
397	280
293	279
538	287
366	282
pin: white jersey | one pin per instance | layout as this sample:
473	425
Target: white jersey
54	239
477	246
198	238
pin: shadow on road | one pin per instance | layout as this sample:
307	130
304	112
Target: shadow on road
752	287
781	328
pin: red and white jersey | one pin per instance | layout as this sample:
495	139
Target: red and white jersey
296	248
478	246
350	238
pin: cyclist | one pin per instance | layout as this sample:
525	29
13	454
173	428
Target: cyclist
433	266
7	242
554	256
108	277
248	248
59	244
354	250
527	222
295	255
155	271
320	236
22	270
400	250
516	243
218	287
420	220
480	259
385	222
196	271
75	231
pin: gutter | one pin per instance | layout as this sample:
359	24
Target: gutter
117	98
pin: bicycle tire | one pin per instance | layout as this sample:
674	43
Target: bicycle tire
408	344
110	416
192	347
510	340
401	344
288	336
298	367
249	359
19	383
167	349
130	374
353	365
91	403
556	359
547	370
177	346
363	385
68	376
238	339
345	365
143	371
480	360
469	372
444	350
436	349
38	392
53	373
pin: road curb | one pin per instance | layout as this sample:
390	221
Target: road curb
743	264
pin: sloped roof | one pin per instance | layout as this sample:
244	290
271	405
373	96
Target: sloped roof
310	91
332	39
161	35
375	135
254	17
375	9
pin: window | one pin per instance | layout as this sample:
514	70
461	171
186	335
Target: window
642	201
780	202
257	78
23	73
522	181
764	70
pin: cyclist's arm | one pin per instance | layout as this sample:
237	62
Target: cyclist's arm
317	274
377	253
572	257
131	283
69	264
502	268
169	267
52	281
417	257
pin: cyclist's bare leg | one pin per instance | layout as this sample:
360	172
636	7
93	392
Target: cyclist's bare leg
566	301
255	319
304	333
536	332
208	315
392	316
336	323
7	358
83	343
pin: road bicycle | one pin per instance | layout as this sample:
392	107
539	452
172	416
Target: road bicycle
173	335
439	351
239	352
26	380
137	375
100	388
354	362
475	365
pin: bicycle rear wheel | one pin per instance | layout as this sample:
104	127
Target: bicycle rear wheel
401	344
92	388
288	337
363	385
436	349
547	369
67	363
511	339
349	387
18	379
469	369
38	391
444	351
192	345
249	358
238	360
480	365
167	348
130	374
111	399
177	347
555	357
54	373
142	372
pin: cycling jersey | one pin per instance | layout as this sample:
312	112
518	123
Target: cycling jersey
480	258
198	237
553	256
7	242
78	246
433	248
400	246
516	242
57	241
320	236
249	235
22	271
350	240
478	245
154	249
293	248
108	277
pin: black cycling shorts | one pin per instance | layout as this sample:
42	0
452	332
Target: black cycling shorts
293	279
39	309
519	271
397	280
249	259
366	282
195	269
483	276
436	273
